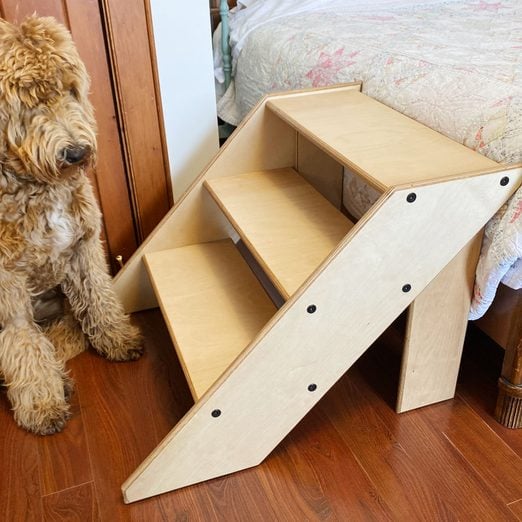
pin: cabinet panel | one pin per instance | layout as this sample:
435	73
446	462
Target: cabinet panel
133	68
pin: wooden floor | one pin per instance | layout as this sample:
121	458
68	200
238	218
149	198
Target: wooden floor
352	458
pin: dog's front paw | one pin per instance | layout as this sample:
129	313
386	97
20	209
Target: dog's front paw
43	419
42	406
125	354
125	344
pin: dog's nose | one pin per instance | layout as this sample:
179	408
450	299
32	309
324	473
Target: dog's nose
74	155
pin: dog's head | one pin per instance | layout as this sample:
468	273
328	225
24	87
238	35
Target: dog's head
46	121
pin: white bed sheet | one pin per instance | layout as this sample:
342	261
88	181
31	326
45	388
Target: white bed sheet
454	65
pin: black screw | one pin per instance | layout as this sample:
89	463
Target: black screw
504	181
216	413
406	288
312	387
411	197
311	309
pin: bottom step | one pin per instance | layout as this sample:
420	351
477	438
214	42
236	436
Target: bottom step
213	306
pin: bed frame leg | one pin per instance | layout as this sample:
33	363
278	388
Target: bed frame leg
509	402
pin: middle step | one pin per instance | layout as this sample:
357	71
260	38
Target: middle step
288	226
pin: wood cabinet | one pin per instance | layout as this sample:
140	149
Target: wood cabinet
131	178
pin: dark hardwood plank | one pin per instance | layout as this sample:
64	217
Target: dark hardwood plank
118	422
64	457
449	488
193	503
463	490
20	493
313	475
477	386
235	497
76	504
516	508
490	457
128	408
360	418
351	458
163	377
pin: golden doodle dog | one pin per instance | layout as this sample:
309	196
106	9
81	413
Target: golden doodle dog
49	226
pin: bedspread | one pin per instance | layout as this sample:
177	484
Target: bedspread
454	65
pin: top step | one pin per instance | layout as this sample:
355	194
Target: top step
382	145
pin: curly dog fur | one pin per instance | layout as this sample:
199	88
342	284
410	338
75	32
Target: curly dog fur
49	226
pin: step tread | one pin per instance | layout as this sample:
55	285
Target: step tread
213	306
384	146
288	226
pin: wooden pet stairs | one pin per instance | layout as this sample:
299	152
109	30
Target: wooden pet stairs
255	368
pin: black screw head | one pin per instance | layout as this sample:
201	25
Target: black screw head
312	387
216	413
504	181
406	288
411	197
311	309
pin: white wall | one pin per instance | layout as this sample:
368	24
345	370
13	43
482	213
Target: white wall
185	68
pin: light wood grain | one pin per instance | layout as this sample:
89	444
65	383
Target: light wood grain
213	306
385	147
263	141
437	323
322	171
289	226
358	293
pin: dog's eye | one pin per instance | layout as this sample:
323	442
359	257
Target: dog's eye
74	93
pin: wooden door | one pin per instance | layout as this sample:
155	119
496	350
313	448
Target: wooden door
131	177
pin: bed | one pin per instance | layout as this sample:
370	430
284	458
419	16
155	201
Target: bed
454	65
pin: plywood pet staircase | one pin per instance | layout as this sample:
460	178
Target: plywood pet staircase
255	368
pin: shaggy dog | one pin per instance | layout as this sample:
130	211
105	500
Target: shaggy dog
49	226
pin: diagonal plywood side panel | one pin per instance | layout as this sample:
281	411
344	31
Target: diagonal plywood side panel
358	293
261	142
